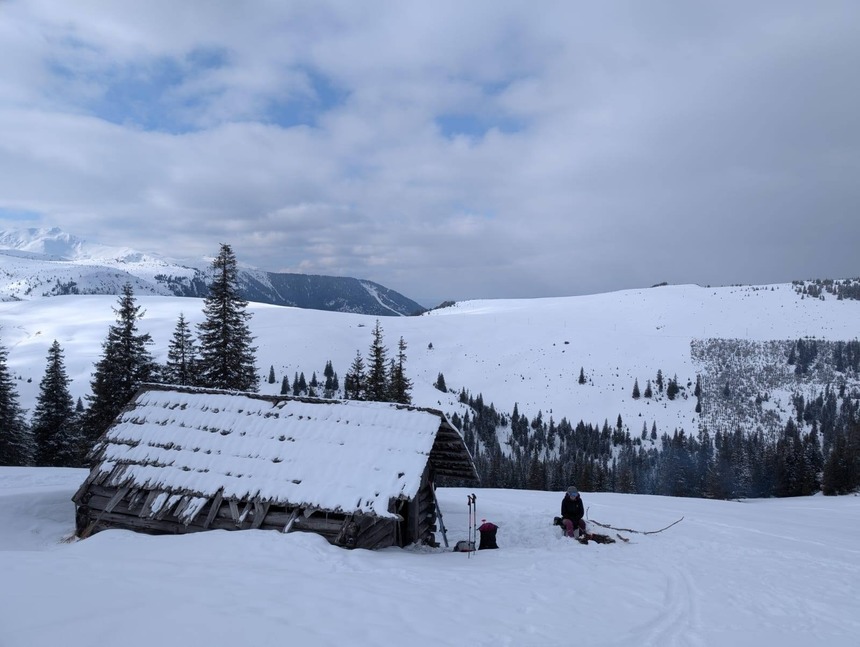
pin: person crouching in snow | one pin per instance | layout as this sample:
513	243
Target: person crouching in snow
572	513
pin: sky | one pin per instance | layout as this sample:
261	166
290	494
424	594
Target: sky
446	150
740	574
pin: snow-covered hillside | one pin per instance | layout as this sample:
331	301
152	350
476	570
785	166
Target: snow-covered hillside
527	351
50	262
761	572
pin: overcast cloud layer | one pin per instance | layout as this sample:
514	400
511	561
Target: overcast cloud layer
447	150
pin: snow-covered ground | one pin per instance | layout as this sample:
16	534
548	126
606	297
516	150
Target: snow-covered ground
759	572
523	351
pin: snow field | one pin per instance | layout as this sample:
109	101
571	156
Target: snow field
757	572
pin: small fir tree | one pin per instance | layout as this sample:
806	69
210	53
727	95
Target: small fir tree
271	375
16	445
125	364
182	365
581	379
355	380
401	386
636	394
376	386
55	425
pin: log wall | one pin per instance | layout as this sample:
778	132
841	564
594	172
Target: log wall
100	508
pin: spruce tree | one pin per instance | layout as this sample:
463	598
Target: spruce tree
55	424
377	368
440	383
271	375
636	394
581	379
401	386
124	365
16	443
182	362
227	357
648	392
285	385
672	388
354	383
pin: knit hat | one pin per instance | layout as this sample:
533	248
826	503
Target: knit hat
572	491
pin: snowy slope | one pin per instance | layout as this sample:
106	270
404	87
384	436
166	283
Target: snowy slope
49	262
527	351
762	572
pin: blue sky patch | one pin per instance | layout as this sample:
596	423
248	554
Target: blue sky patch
22	215
305	110
140	94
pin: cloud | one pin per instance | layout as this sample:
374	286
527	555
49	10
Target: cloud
448	150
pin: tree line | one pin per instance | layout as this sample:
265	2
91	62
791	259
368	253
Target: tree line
551	455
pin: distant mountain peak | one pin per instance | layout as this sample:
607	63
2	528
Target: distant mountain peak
50	262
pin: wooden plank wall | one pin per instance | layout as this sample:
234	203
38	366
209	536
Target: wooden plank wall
100	508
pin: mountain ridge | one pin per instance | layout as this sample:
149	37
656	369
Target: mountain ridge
50	262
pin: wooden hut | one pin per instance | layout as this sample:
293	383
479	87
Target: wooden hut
361	474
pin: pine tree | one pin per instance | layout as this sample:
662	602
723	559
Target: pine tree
271	374
377	368
227	357
182	363
636	394
124	365
285	385
16	443
581	379
648	392
440	383
55	425
672	389
355	380
659	380
401	386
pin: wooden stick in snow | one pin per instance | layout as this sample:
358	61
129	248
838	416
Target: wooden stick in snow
638	532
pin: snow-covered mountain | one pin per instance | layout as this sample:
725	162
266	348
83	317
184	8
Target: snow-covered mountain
50	262
528	352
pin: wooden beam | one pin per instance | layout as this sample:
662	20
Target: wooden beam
260	512
234	511
291	520
116	498
216	504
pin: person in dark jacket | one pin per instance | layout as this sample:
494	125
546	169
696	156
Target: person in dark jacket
572	513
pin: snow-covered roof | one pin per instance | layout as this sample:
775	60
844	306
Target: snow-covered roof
338	455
